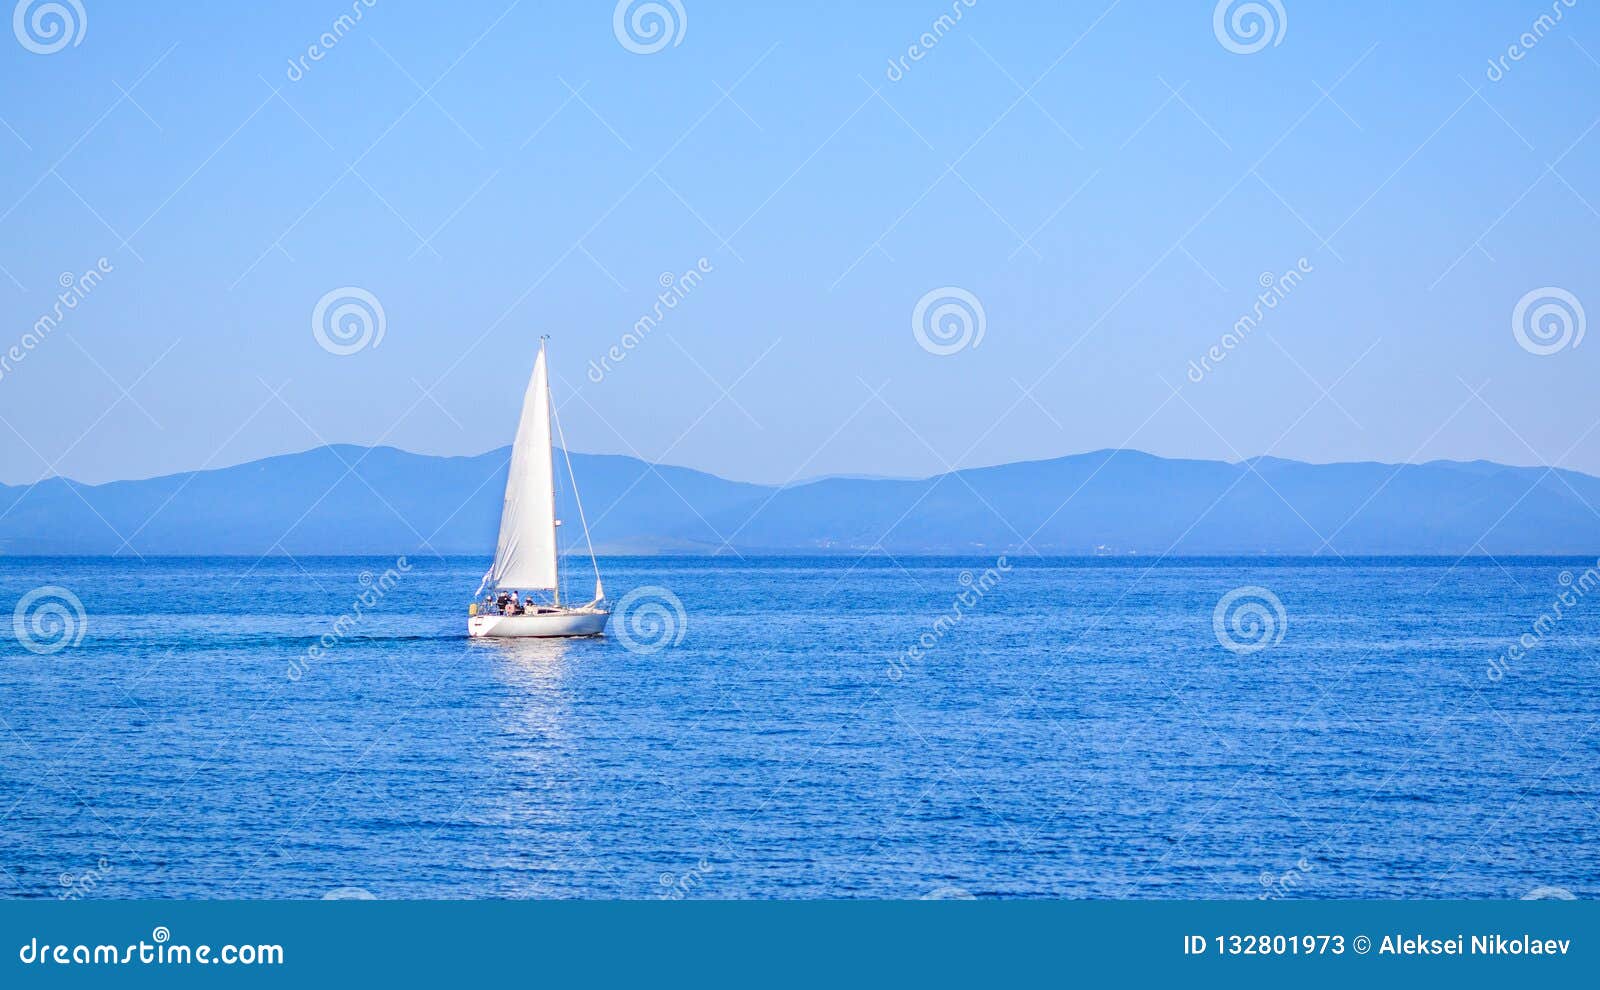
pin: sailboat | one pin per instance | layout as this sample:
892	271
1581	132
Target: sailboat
527	557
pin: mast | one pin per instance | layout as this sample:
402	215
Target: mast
550	455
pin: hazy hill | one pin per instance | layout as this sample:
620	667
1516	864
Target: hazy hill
347	499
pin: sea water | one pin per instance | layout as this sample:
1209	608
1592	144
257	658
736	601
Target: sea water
824	727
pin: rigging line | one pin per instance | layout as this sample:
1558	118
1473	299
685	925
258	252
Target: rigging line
567	455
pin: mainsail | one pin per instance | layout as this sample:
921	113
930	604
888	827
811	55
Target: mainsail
525	558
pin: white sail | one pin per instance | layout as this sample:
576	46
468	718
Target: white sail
525	558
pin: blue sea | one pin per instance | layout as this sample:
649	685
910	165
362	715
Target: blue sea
804	728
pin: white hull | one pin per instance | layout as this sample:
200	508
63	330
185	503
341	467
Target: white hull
566	622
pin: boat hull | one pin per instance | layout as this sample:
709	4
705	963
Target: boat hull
577	622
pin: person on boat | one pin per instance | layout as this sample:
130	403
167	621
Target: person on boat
503	601
528	604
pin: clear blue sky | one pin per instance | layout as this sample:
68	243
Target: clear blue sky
1109	182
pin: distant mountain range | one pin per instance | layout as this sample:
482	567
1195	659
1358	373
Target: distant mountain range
349	500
